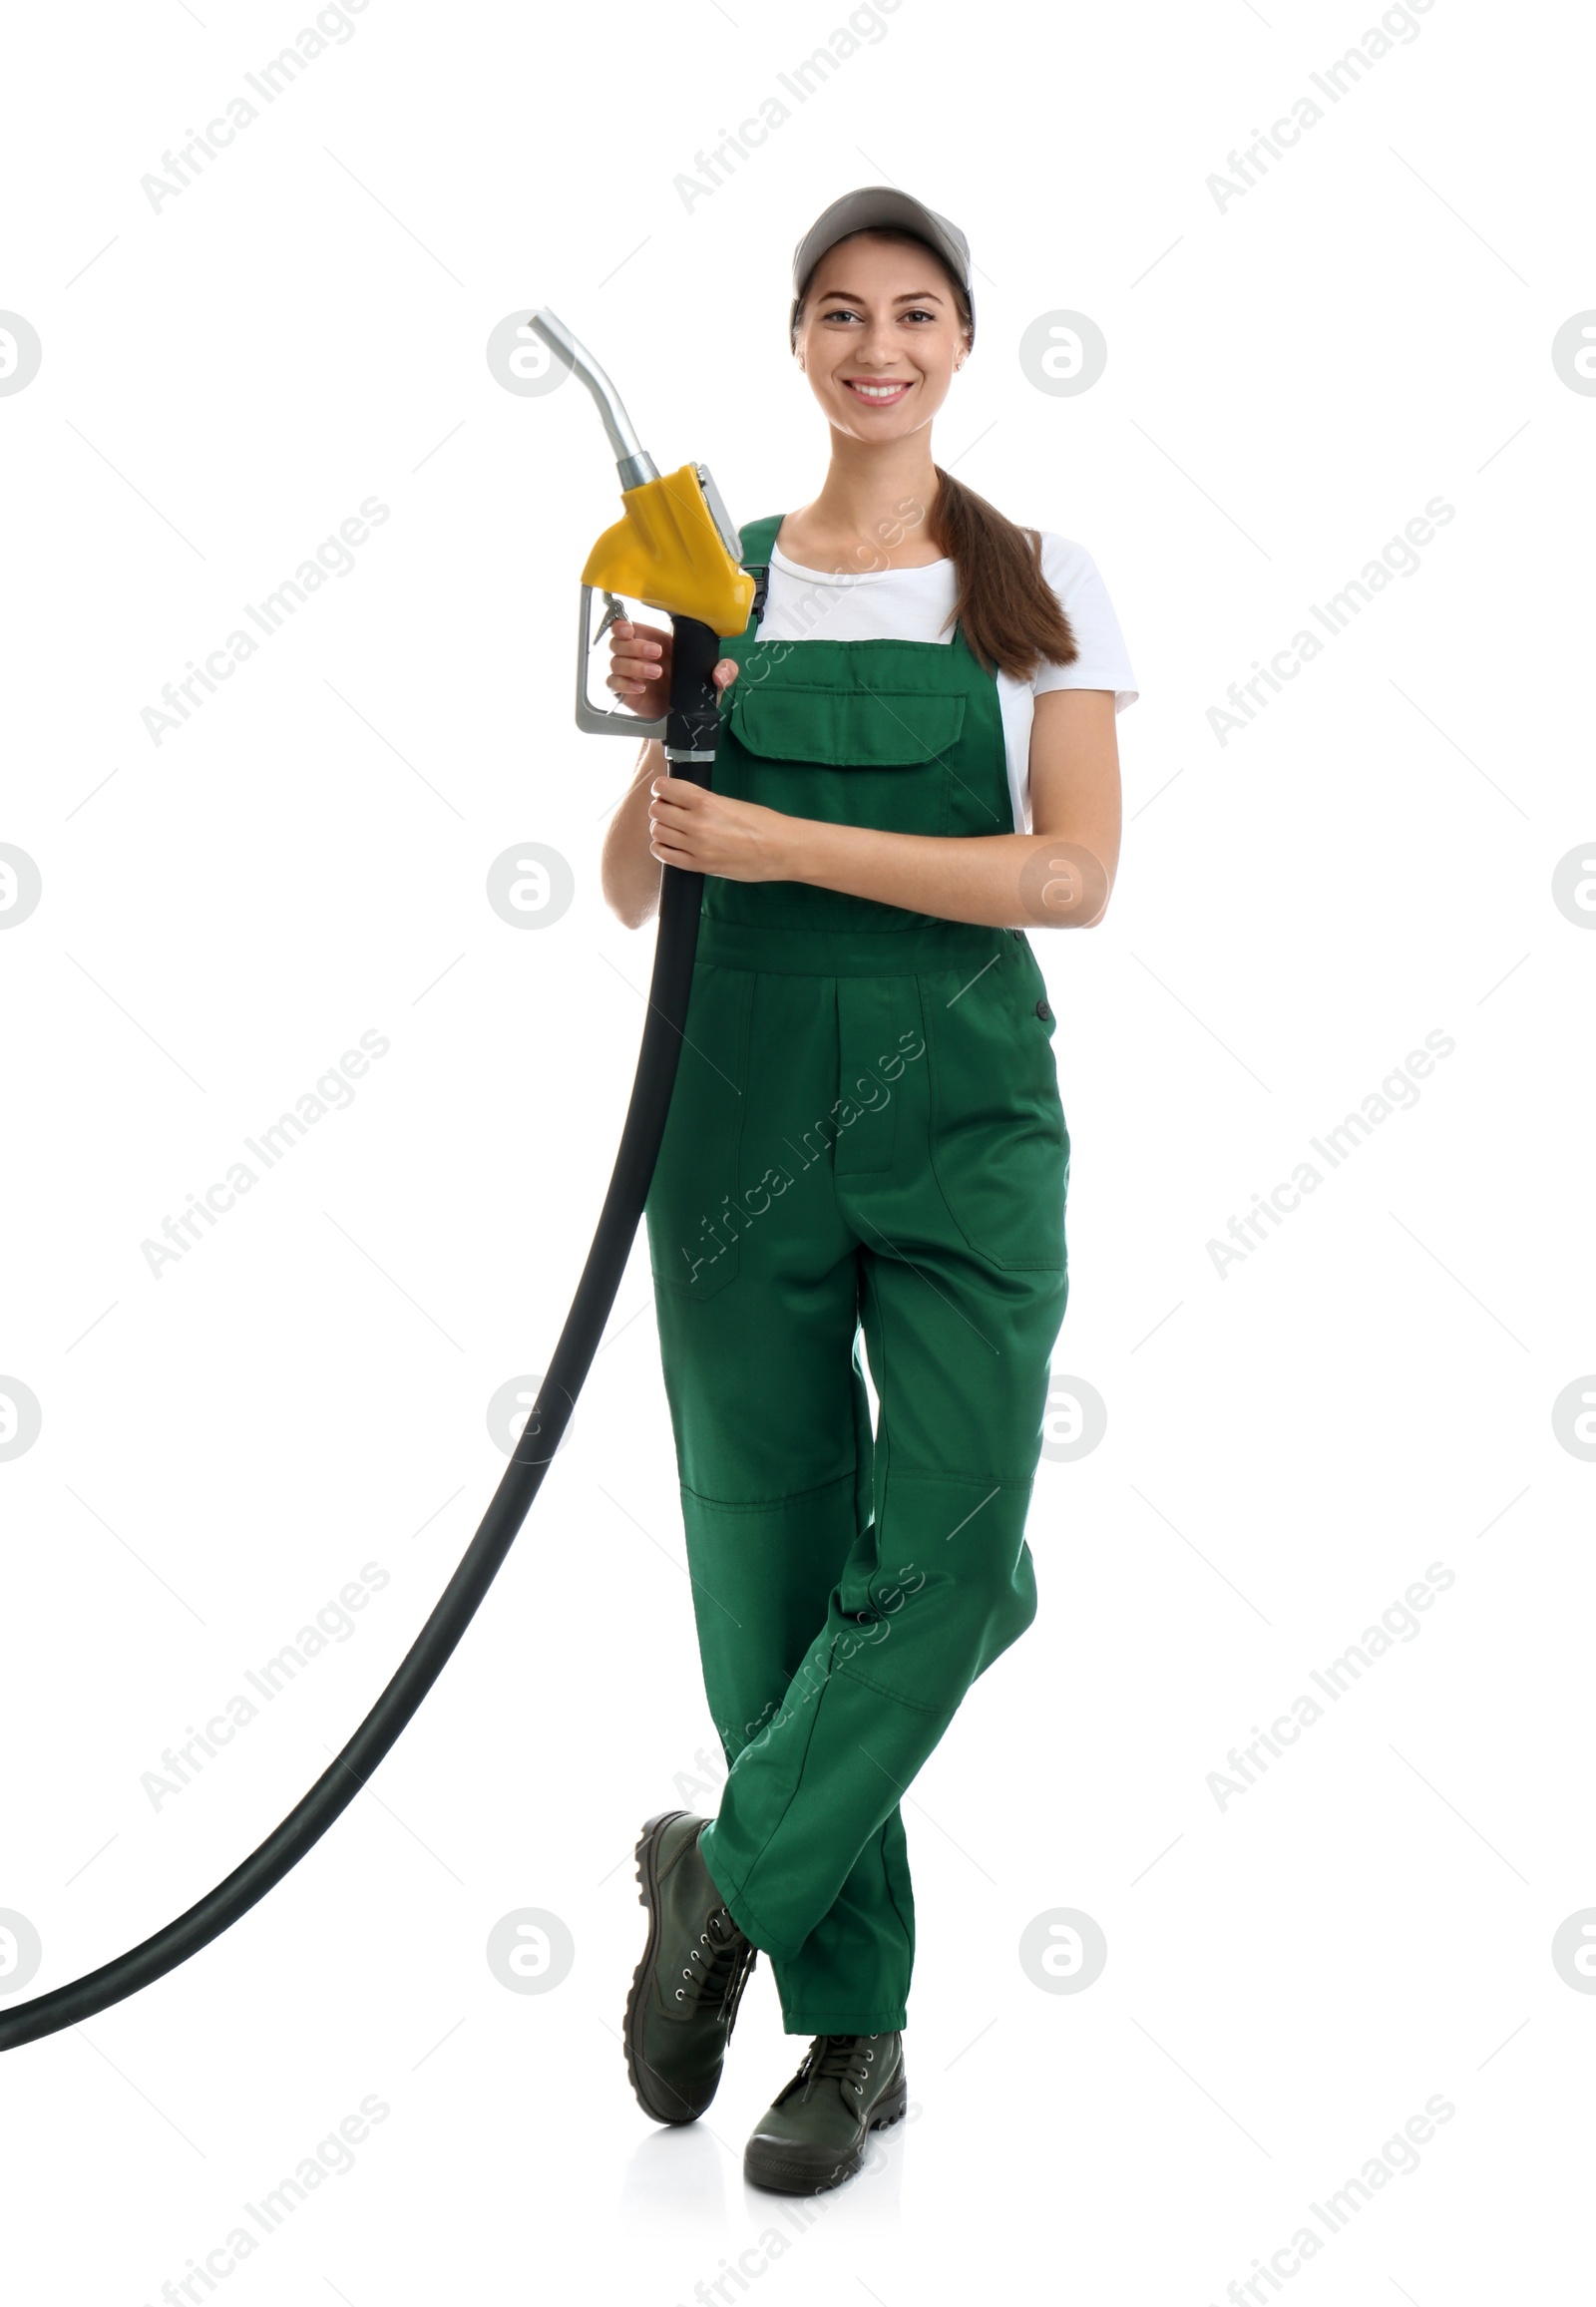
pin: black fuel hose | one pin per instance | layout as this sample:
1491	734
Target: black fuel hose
693	727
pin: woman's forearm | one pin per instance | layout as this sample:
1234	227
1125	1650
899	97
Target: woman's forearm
1002	880
628	873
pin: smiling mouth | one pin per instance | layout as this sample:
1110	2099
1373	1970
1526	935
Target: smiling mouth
877	395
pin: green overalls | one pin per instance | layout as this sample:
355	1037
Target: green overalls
866	1130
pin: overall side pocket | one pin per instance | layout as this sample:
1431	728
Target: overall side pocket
998	1145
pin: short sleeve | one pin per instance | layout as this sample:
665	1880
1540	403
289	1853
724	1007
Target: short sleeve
1102	662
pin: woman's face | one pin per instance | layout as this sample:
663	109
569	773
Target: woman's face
879	313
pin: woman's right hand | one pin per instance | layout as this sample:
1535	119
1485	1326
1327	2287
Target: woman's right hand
640	668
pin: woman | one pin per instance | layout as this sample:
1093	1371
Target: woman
917	758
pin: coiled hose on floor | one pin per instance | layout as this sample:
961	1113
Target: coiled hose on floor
689	744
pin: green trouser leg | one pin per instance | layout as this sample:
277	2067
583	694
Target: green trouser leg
776	1569
846	1595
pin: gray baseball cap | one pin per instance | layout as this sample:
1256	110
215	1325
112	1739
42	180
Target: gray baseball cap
880	204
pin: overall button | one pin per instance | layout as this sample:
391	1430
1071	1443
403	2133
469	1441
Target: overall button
1042	1010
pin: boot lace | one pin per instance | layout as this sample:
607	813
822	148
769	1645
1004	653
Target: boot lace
843	2059
717	1967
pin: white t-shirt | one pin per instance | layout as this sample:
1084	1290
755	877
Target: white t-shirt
917	604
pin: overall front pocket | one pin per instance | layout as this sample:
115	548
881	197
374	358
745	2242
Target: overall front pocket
691	1250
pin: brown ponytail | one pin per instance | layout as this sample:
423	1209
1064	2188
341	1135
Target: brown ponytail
1011	616
1010	613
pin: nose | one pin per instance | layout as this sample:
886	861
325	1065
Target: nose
875	346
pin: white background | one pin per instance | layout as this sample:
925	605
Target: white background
1290	379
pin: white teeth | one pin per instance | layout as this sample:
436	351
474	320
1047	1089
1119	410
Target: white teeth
877	392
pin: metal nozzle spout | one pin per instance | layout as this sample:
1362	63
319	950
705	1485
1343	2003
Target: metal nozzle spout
632	461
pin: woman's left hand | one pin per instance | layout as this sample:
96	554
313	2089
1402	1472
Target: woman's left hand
710	833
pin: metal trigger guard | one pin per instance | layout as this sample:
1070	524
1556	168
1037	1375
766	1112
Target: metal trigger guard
616	720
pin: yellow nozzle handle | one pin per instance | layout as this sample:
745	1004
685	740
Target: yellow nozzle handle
669	549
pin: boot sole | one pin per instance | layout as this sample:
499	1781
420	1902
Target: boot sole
779	2176
647	1856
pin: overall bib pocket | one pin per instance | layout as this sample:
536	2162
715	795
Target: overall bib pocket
864	756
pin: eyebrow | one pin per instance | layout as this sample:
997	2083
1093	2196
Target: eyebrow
905	296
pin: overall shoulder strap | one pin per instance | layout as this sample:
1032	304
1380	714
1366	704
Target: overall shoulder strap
758	537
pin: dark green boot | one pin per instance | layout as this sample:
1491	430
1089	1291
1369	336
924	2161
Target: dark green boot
685	1991
813	2137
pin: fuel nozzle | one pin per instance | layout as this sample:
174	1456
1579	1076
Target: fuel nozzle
674	549
632	462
